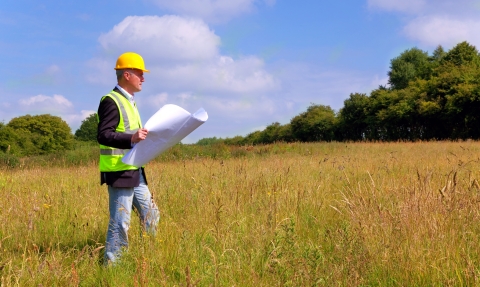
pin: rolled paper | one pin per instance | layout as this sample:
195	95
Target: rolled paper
168	126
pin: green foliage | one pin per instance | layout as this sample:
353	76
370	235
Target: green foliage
440	101
410	65
462	54
9	160
316	124
33	135
237	140
438	54
209	141
352	121
88	129
9	140
275	133
253	138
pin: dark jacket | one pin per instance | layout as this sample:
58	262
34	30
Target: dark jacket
109	118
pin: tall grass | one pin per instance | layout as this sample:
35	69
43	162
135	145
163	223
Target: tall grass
363	214
86	153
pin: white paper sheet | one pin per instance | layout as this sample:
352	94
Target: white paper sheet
166	127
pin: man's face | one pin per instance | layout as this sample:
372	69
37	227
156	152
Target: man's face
134	79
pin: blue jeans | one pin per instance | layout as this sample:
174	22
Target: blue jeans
121	200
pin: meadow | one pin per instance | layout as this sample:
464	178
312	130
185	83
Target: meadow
316	214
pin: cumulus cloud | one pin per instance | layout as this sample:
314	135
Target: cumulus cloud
42	102
167	38
222	74
436	22
56	105
211	10
433	30
183	57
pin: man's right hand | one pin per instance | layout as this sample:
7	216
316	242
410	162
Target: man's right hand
140	135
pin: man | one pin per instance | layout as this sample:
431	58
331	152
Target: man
119	128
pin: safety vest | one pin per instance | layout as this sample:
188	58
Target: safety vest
130	122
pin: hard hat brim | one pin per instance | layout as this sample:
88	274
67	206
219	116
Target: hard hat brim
144	70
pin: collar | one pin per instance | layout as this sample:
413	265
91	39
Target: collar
125	93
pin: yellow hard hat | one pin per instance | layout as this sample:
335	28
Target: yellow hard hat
130	60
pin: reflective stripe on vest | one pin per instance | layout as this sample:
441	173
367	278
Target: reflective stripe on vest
129	123
126	121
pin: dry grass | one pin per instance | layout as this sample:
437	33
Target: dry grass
363	214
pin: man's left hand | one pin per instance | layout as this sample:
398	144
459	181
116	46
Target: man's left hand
140	135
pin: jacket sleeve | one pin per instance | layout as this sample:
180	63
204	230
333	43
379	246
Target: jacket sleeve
109	118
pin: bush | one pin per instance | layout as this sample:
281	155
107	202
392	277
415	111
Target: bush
9	160
88	129
42	134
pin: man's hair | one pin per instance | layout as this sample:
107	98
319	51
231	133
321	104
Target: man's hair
120	74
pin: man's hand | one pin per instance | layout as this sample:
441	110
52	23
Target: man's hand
140	135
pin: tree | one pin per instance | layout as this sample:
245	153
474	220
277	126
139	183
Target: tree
9	141
251	138
438	54
41	134
462	54
316	124
209	141
88	129
411	64
352	117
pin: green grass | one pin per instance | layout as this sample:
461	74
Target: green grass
326	214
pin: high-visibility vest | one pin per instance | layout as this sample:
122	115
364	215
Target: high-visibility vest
130	122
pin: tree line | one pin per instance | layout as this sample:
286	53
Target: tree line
428	97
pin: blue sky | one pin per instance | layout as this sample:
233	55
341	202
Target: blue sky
248	63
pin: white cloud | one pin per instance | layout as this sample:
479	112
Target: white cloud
42	102
56	105
435	30
221	74
183	58
187	69
211	10
436	22
165	39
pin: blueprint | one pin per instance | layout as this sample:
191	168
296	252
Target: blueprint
166	127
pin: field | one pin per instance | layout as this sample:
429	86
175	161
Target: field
325	214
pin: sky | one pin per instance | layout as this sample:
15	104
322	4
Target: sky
248	63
